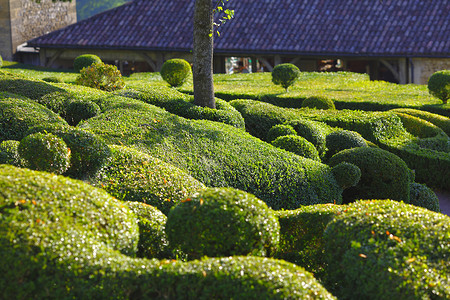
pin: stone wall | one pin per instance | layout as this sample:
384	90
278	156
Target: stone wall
28	19
425	67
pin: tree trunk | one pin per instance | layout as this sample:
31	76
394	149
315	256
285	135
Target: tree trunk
203	54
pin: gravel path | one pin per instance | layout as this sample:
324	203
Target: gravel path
444	201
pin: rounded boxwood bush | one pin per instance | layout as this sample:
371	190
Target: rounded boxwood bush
309	131
439	85
318	102
423	196
383	174
346	174
419	127
285	75
9	153
88	152
343	139
298	145
387	250
79	110
84	61
223	222
101	76
176	71
45	152
280	130
152	236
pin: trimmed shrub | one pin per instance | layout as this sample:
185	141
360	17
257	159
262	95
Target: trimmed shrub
280	130
346	174
17	116
423	196
84	61
343	139
1	61
101	76
152	236
9	153
176	71
79	110
311	132
318	102
53	79
383	174
419	127
45	152
301	232
298	145
285	75
439	85
223	222
88	152
182	105
438	120
439	143
387	250
130	175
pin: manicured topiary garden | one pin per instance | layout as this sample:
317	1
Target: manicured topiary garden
295	190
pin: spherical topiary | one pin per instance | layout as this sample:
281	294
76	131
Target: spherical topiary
84	61
53	79
79	110
285	75
9	153
423	196
318	102
343	139
223	222
152	236
298	145
101	76
383	174
176	71
346	174
439	85
45	152
280	130
309	131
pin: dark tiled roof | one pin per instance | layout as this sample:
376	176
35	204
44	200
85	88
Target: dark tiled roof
335	27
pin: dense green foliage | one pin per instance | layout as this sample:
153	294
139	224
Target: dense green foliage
182	105
88	152
53	79
347	174
439	85
131	175
318	102
340	140
298	145
280	130
388	250
310	130
9	153
423	196
1	61
17	116
84	61
63	239
223	222
383	174
101	76
176	71
438	120
285	75
79	110
419	127
45	152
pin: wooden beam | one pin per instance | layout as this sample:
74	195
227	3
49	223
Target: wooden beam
391	68
53	58
149	60
265	63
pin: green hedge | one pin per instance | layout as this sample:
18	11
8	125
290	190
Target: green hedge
131	175
63	239
419	127
9	153
301	232
17	116
182	105
388	250
438	120
423	196
213	153
298	145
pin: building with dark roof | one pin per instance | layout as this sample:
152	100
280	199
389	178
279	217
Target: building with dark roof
398	40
